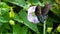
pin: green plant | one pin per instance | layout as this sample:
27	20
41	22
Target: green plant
13	16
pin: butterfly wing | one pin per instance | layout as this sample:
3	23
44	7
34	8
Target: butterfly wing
46	9
41	13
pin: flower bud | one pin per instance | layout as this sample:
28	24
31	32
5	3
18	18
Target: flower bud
12	22
11	13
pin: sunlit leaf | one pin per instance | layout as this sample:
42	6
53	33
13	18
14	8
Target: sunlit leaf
18	2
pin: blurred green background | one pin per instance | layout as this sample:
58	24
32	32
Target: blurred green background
13	17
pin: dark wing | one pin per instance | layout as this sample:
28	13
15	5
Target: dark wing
46	9
38	10
39	14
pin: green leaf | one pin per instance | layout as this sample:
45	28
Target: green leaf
4	12
6	25
18	2
4	29
4	8
56	10
23	15
16	29
3	20
24	29
56	13
29	32
49	22
4	17
19	30
33	1
4	5
17	18
1	24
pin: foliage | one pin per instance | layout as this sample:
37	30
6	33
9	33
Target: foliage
13	16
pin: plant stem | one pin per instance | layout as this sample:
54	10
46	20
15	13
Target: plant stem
44	28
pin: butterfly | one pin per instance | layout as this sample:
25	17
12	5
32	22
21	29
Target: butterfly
41	12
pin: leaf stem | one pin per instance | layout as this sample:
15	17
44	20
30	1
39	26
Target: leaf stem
44	28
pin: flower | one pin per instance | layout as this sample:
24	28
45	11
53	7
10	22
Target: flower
31	15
